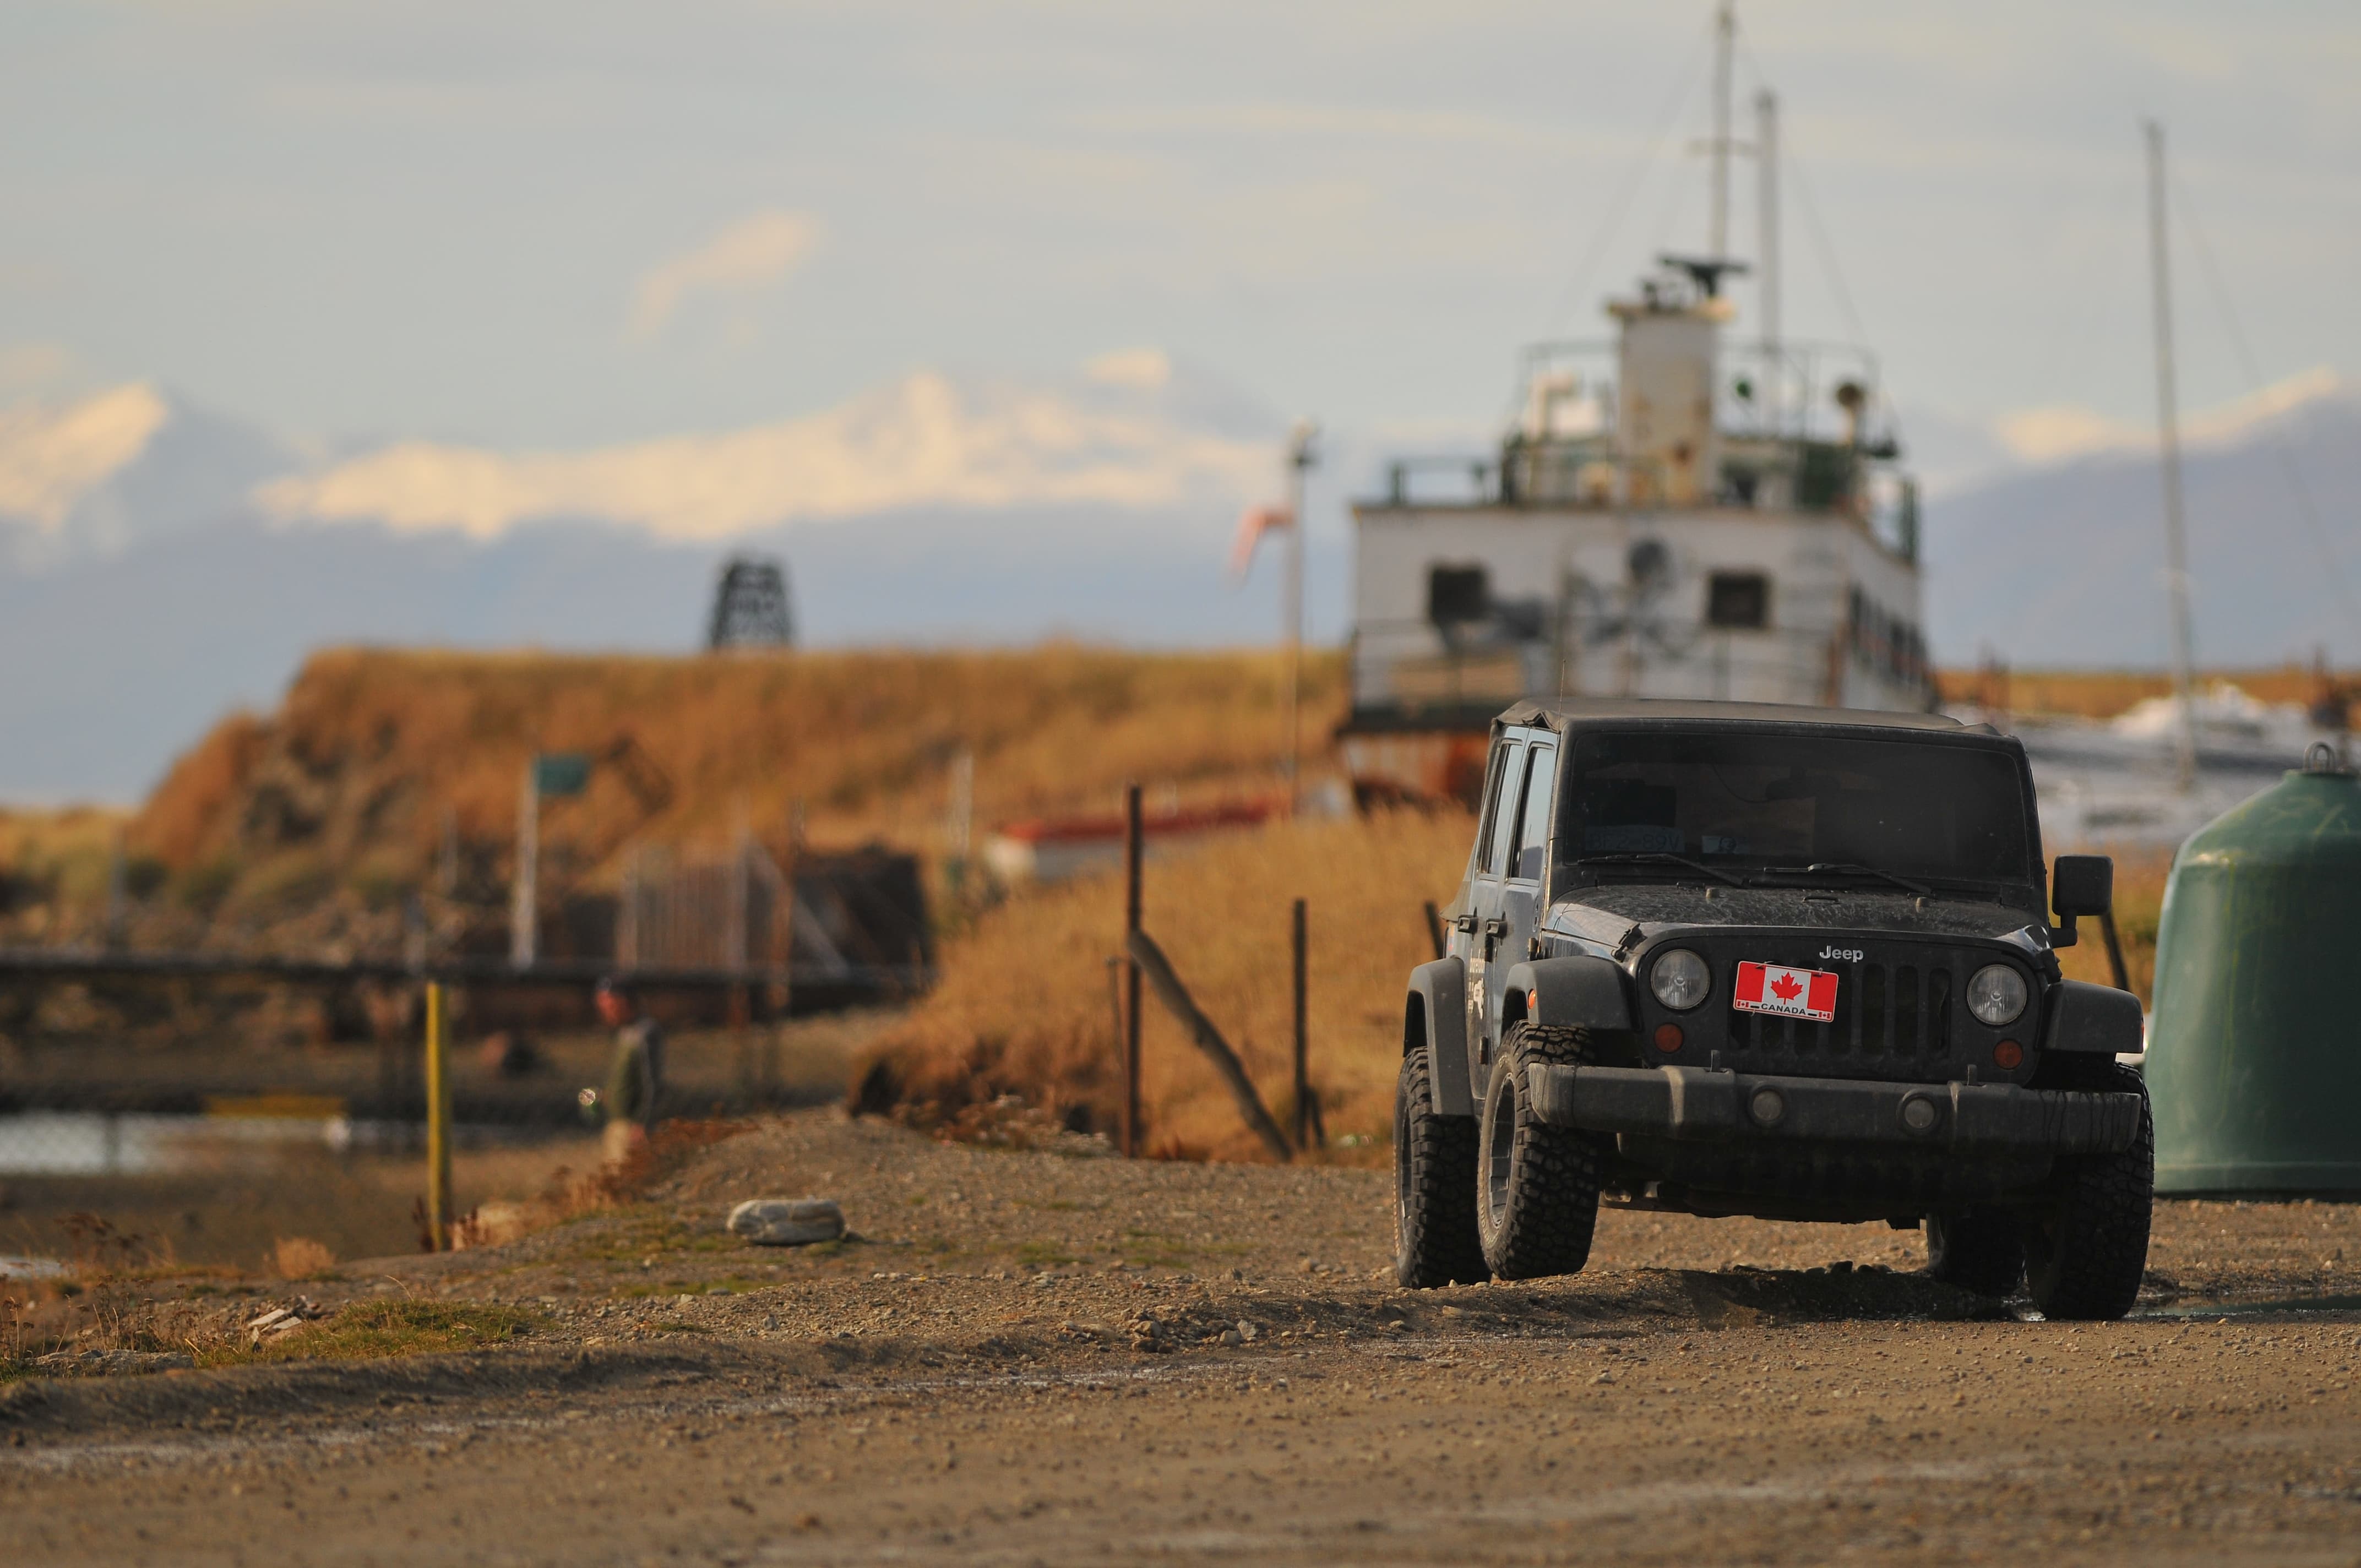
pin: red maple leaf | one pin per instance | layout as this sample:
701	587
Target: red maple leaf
1785	988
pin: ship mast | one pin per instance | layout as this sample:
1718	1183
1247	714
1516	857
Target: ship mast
1724	34
1767	260
2168	426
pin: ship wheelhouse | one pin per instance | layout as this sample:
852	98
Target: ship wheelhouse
1668	518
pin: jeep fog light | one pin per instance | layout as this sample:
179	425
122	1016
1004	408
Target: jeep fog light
1996	995
1680	979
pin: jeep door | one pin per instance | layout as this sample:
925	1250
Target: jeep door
1524	864
1507	891
1478	924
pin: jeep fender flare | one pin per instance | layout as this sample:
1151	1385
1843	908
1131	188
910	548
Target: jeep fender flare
1434	1020
2095	1020
1578	991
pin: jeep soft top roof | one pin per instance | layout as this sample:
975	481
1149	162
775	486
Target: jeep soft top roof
1579	712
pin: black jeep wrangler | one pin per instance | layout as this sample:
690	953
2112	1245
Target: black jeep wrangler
1737	959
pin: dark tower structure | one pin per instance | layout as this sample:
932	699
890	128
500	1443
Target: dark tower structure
749	607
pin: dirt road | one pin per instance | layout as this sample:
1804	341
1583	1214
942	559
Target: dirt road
1037	1358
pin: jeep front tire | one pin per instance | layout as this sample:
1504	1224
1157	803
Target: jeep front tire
2085	1251
1435	1187
1537	1186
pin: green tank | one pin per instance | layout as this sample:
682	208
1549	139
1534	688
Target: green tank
2254	1053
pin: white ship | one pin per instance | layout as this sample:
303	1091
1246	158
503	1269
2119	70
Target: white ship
1673	514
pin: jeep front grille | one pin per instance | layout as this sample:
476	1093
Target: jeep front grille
1885	1013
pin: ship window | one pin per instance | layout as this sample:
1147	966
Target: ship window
1457	595
1739	601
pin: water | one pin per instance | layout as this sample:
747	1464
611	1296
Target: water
98	1142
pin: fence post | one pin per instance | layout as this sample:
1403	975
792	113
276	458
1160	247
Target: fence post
524	906
1146	956
1133	832
1303	1108
438	1120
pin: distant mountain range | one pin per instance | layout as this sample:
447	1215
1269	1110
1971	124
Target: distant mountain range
2060	562
160	563
163	563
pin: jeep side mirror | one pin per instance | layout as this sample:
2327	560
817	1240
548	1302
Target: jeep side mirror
2079	884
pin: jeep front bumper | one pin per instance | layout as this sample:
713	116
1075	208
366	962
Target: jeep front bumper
1689	1102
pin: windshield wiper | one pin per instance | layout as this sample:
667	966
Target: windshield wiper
1852	868
1659	858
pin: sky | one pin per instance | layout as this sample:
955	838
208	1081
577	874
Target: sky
562	224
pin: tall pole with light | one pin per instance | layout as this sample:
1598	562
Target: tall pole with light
1301	456
2168	431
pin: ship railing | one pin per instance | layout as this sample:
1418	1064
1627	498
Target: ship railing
1532	647
1787	391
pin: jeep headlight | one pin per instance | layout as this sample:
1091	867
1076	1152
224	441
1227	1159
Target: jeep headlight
1996	995
1680	979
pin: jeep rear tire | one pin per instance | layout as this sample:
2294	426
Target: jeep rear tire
1435	1187
1978	1250
2085	1251
1537	1186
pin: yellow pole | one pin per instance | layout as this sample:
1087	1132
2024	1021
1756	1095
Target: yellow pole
438	1120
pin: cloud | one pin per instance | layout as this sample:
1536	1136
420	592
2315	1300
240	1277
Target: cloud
2055	434
753	253
28	369
924	442
51	457
1140	369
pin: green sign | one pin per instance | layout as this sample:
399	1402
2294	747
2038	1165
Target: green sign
561	772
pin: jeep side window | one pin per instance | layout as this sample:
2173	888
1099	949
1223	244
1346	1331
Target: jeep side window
1501	805
1533	838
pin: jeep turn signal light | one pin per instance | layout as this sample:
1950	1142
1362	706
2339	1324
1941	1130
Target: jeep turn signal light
1668	1037
2008	1055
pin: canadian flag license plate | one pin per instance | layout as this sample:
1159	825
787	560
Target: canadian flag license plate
1789	992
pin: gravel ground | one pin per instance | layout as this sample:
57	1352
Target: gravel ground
1044	1356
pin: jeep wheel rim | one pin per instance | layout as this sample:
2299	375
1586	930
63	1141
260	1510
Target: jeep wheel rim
1500	1153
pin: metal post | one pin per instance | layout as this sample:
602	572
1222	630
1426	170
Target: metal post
1299	458
627	913
1766	265
118	911
2168	426
438	1121
783	1001
524	909
1303	1037
963	814
737	936
1133	833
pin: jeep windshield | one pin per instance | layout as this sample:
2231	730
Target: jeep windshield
1782	809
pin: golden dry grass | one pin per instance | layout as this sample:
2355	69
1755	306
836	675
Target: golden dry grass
300	1257
371	747
62	854
2104	694
1024	1005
